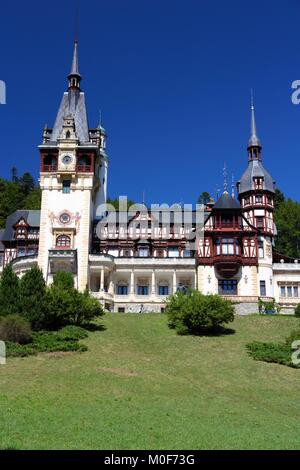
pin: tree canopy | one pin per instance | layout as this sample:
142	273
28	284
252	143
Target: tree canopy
19	193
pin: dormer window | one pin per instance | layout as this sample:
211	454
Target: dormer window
21	233
258	183
21	230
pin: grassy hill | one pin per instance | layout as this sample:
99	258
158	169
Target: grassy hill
141	386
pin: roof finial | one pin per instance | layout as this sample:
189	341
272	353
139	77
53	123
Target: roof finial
225	179
254	140
232	187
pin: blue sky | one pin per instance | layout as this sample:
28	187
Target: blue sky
173	82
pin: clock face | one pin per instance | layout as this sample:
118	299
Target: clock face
67	159
65	218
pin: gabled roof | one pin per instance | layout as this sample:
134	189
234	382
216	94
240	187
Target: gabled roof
32	217
226	202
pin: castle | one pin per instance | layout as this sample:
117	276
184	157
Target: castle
132	260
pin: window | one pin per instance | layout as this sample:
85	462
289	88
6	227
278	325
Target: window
173	252
296	291
260	248
122	290
121	309
228	287
163	290
21	233
289	291
143	252
142	290
187	253
247	200
21	252
66	186
63	241
262	286
227	246
258	199
259	222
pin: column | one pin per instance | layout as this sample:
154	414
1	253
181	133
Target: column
102	279
132	282
174	281
153	284
111	287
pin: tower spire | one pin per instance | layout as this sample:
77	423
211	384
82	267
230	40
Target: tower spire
254	144
254	140
74	77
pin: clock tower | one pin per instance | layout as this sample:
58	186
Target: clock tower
73	166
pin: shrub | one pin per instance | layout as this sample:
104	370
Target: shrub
294	336
297	311
195	313
60	307
63	280
65	307
16	329
280	353
72	333
9	292
45	341
32	297
87	308
268	307
271	352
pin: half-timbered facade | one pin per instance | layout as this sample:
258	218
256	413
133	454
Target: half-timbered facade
132	260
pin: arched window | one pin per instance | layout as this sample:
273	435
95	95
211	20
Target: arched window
63	241
68	135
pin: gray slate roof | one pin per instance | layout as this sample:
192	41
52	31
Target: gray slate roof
256	169
226	202
32	218
72	104
1	244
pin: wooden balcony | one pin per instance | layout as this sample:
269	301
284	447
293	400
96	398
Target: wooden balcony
48	168
84	168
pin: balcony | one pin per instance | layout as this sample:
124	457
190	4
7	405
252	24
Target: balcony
84	168
48	168
232	225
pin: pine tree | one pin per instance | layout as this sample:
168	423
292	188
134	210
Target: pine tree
32	297
9	292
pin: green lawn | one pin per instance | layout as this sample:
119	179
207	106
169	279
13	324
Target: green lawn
142	386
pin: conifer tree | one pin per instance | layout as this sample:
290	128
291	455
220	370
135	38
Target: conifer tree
32	297
9	292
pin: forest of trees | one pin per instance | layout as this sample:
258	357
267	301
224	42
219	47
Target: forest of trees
23	193
18	193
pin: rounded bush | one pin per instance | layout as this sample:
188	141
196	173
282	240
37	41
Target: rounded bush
16	329
297	311
195	313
